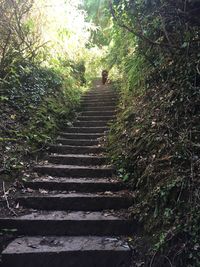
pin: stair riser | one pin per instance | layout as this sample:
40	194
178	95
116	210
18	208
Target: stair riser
78	142
95	118
100	108
90	161
73	259
78	187
75	173
99	94
99	99
71	227
98	113
90	123
98	104
75	203
82	136
110	92
86	130
74	150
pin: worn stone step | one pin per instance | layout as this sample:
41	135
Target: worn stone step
69	223
87	185
77	159
95	118
66	149
99	98
87	129
90	123
99	108
101	93
98	104
75	171
88	136
98	113
78	142
76	201
67	251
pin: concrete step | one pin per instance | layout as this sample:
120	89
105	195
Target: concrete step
75	171
90	123
76	201
65	149
78	142
88	136
87	185
69	223
67	251
98	113
102	93
95	118
87	129
77	159
97	104
99	98
100	108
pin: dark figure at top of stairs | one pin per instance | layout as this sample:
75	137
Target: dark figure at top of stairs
104	76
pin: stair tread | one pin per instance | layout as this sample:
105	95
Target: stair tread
78	195
69	216
75	180
83	134
94	184
83	129
58	145
95	121
58	244
78	156
65	139
62	166
92	127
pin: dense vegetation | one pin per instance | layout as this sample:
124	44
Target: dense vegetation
42	75
155	49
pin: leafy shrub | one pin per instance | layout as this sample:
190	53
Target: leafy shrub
36	102
157	129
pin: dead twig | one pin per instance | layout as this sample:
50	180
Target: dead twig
6	198
152	259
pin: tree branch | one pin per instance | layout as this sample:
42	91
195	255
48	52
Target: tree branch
136	33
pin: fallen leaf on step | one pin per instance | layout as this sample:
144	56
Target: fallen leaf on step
108	193
42	191
125	246
29	190
31	246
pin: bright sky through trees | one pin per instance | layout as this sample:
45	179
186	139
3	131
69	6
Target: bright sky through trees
64	26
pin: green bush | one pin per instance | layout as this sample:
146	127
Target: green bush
36	101
157	50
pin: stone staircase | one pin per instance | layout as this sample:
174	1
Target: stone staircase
78	209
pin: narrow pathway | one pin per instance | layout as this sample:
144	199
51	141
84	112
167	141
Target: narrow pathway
78	207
